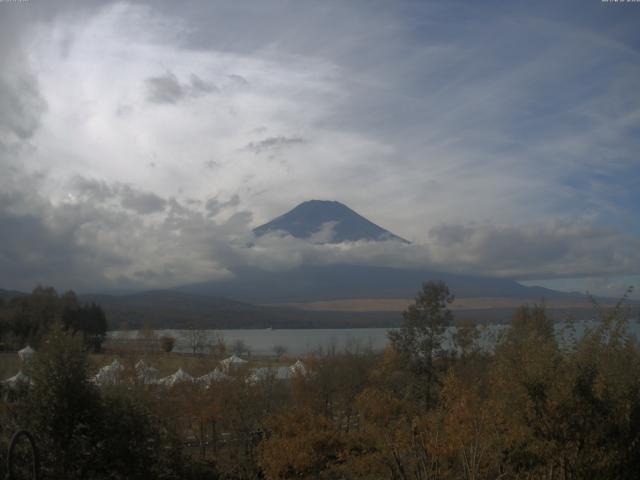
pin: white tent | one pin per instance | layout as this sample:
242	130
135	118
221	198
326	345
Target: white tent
232	361
18	380
283	373
213	376
141	365
26	353
178	377
265	373
109	374
298	368
146	374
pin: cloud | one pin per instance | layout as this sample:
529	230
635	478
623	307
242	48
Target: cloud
21	105
141	202
93	189
200	87
97	238
475	139
238	80
274	143
213	206
566	249
94	239
167	89
130	198
164	89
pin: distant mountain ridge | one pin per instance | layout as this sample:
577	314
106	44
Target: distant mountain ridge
8	294
324	221
308	283
178	309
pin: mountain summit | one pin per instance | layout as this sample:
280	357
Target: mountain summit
323	221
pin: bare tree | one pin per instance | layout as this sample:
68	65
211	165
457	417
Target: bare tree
218	347
167	343
239	347
197	340
279	350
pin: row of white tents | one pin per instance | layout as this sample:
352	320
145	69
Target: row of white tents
112	374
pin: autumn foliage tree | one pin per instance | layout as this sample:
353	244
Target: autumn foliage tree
419	341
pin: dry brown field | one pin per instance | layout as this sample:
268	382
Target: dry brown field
400	304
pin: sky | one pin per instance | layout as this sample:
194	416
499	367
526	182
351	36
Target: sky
140	142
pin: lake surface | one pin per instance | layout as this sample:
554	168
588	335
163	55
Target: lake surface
304	341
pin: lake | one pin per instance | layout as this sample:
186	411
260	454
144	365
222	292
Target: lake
304	341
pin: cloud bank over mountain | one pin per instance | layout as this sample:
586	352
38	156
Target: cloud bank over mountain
114	236
141	142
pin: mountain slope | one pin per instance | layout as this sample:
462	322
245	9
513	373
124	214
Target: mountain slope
9	294
315	283
177	309
326	222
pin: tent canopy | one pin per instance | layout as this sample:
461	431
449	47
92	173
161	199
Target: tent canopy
232	361
26	353
213	376
17	380
178	377
298	368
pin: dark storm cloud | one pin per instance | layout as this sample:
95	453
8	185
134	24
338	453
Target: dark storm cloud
91	188
21	106
238	80
168	89
164	89
213	206
200	87
130	198
96	239
45	246
273	143
141	202
540	250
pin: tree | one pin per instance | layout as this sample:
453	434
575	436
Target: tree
89	320
218	347
83	434
279	350
419	340
167	343
239	347
135	441
301	444
63	407
465	338
30	317
197	340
